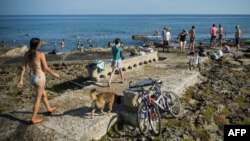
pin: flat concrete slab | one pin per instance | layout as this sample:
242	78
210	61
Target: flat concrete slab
72	121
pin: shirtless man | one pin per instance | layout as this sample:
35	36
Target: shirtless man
220	34
38	66
192	39
237	37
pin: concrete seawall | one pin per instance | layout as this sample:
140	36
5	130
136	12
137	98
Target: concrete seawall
72	121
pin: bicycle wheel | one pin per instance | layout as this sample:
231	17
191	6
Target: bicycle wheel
142	118
155	120
173	103
190	63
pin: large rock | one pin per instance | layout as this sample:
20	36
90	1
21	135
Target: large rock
20	51
72	121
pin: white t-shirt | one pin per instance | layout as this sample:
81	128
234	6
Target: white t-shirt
168	36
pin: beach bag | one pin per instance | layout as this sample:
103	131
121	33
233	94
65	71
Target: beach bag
214	56
100	65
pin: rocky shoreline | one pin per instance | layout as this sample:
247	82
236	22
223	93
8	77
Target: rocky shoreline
222	98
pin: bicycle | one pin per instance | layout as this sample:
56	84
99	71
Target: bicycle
147	113
166	101
194	61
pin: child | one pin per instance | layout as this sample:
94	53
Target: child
225	48
202	51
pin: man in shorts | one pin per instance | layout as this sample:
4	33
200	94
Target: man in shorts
220	34
117	60
192	39
213	36
237	37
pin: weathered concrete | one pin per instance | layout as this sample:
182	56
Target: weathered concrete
72	120
176	82
129	63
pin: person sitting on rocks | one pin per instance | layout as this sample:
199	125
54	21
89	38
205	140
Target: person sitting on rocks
225	48
202	50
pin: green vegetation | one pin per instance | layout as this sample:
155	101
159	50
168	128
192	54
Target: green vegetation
241	101
200	132
226	112
14	93
170	123
188	139
208	90
221	120
246	121
189	93
158	138
208	113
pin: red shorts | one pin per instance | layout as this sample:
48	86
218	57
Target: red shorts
220	37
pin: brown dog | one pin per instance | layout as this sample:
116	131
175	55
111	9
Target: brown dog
100	99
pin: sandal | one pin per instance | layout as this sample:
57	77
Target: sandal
53	109
36	121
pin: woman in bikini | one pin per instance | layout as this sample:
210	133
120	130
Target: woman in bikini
38	66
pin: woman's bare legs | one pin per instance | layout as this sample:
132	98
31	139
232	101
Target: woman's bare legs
183	44
39	93
46	102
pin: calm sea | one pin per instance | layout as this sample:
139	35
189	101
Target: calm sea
104	28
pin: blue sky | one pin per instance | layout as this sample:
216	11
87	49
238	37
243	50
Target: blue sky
54	7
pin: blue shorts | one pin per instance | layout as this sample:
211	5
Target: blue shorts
237	41
213	38
116	64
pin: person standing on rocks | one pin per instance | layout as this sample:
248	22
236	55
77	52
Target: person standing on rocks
166	38
182	37
220	34
192	34
213	33
38	65
237	37
163	38
117	60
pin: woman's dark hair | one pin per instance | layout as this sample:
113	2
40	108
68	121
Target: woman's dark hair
117	41
34	43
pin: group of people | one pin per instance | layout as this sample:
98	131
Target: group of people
181	37
192	33
220	31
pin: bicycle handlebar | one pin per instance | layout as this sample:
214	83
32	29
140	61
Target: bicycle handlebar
149	84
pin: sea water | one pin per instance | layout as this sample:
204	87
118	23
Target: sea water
100	29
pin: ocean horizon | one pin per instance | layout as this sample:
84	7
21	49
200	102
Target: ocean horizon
19	29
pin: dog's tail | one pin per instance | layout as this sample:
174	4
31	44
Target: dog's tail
93	94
